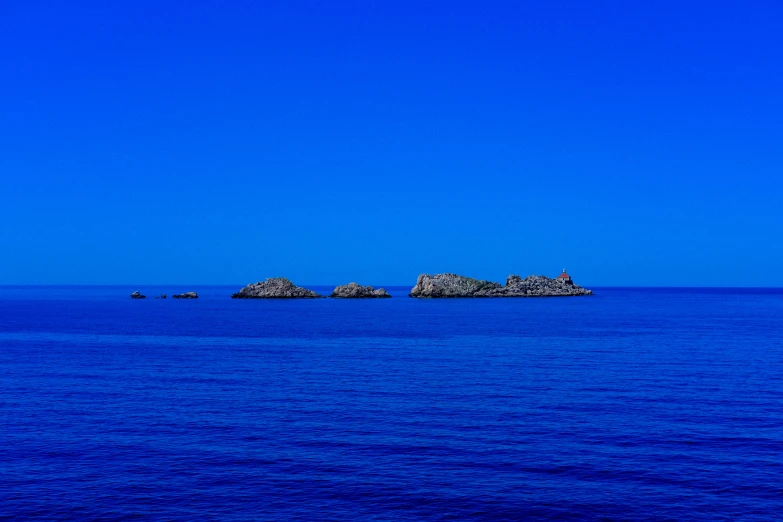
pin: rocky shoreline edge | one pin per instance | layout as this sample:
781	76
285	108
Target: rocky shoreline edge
427	286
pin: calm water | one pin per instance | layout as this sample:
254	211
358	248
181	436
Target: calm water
629	405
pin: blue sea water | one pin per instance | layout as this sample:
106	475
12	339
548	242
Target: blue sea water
633	404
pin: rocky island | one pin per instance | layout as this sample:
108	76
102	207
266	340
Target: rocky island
137	295
186	295
452	285
275	288
357	291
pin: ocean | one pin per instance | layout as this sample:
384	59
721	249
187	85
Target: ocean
632	404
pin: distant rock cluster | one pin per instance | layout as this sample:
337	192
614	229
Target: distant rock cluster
282	288
434	286
186	295
357	291
453	285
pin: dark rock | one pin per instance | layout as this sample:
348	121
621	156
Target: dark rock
186	295
137	295
274	288
356	291
451	285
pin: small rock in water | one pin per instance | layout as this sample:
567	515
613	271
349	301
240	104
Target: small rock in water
357	291
186	295
137	295
275	288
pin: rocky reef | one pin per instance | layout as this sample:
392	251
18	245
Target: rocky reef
186	295
357	291
539	286
137	295
452	285
274	288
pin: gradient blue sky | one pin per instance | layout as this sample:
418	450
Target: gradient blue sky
634	143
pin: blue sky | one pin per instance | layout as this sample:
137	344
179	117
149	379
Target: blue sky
152	142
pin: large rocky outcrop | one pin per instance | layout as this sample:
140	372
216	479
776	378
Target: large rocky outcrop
451	285
356	291
137	295
274	288
538	286
186	295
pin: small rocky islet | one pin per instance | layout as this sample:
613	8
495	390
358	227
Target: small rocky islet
453	285
357	291
275	288
427	286
186	295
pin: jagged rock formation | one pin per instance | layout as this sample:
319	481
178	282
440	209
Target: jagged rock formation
538	286
451	285
274	288
355	291
186	295
137	295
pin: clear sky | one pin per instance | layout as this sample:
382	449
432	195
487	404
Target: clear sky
634	143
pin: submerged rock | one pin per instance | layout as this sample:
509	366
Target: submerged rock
274	288
356	291
451	285
186	295
137	295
